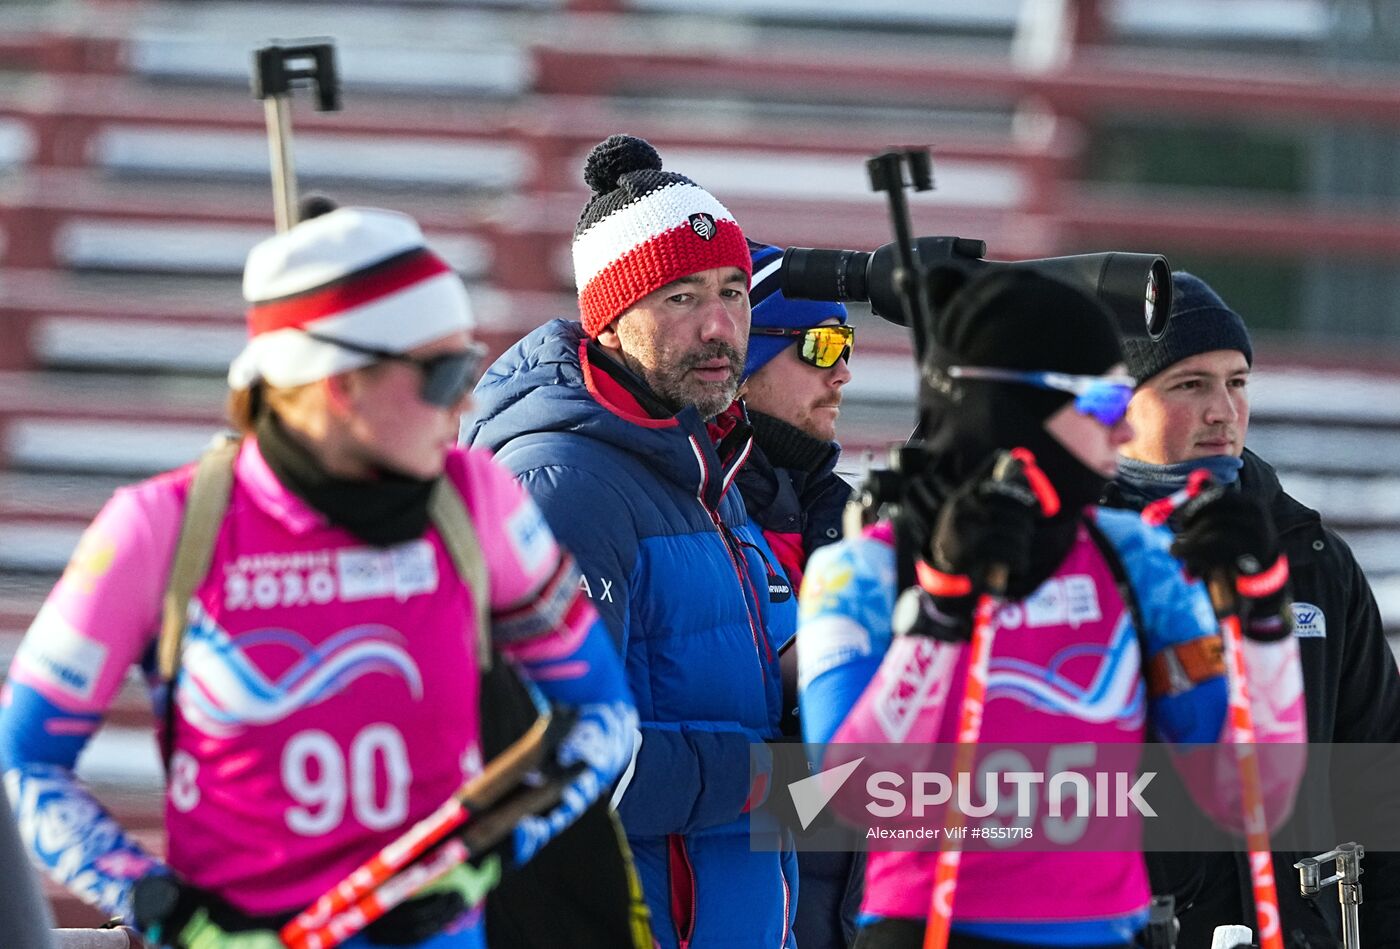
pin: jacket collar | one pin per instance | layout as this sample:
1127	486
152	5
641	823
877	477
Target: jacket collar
716	449
1258	479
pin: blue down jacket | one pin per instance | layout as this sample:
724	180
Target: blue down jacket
681	576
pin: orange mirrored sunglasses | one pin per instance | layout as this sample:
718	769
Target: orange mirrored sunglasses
821	345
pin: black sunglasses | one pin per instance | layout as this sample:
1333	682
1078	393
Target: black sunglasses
446	377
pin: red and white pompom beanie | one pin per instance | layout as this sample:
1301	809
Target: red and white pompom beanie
642	229
361	275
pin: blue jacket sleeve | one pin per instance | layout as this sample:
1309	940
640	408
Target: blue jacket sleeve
64	828
588	680
1174	610
843	630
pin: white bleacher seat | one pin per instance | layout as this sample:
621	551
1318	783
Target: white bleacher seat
137	344
206	153
1323	396
1348	498
1192	20
1322	448
92	445
986	14
1378	552
122	757
499	70
37	547
827	179
16	144
196	247
1265	20
156	247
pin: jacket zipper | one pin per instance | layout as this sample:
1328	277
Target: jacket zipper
787	905
683	873
736	561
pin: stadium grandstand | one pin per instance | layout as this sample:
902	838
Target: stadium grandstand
1251	141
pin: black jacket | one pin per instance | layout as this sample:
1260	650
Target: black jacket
1352	694
790	487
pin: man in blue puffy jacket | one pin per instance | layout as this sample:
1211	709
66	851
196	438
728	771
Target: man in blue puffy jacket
624	427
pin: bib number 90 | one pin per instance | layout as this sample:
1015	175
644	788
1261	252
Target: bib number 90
323	780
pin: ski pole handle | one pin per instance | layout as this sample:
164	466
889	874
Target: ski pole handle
1160	511
1221	586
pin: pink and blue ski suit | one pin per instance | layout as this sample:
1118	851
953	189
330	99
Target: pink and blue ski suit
328	692
1066	667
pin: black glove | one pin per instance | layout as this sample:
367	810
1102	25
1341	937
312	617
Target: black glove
1221	531
170	912
988	521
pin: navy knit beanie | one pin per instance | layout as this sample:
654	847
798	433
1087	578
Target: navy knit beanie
771	308
1200	323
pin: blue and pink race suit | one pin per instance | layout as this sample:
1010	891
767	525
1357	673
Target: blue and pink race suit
1066	668
328	691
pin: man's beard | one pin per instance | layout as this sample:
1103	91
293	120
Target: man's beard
677	388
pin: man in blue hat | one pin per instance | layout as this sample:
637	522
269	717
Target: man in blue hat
797	366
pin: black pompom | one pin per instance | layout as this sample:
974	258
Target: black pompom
314	205
615	157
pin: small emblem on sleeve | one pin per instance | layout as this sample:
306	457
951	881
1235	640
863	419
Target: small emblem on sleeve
1309	622
60	656
704	225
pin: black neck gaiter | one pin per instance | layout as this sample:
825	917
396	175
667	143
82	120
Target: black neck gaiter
787	446
390	509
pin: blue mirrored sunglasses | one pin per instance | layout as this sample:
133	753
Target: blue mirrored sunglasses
1104	398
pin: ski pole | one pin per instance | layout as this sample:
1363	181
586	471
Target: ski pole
945	875
482	832
1241	721
500	776
275	69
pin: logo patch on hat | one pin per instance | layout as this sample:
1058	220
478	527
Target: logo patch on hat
703	224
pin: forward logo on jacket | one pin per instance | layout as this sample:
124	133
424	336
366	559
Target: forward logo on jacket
703	224
1309	622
